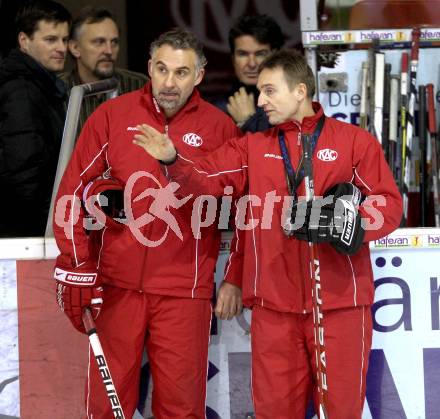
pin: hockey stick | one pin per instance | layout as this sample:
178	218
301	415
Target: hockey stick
394	101
411	119
110	388
422	146
379	74
371	81
363	122
318	327
386	111
403	109
432	127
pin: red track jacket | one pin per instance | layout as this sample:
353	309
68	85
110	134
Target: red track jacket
174	266
276	271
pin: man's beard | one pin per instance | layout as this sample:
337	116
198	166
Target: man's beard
169	104
104	73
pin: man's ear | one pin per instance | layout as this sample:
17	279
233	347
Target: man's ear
199	77
74	48
23	42
150	67
301	91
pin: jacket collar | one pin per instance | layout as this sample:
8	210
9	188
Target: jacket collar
308	123
19	64
157	112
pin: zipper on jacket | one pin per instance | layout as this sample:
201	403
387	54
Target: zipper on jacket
301	284
156	105
141	285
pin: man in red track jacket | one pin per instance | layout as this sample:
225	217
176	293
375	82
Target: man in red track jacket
276	280
151	280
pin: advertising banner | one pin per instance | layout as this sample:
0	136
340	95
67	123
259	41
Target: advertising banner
44	359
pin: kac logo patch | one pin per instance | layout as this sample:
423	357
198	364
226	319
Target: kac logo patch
192	139
327	154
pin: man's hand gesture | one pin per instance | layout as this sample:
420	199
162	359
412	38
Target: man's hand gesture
156	144
241	106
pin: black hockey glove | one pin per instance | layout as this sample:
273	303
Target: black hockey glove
333	218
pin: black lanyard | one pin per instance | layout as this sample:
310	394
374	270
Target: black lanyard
295	178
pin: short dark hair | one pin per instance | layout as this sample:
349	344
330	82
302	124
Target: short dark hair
262	27
295	68
179	38
89	15
33	12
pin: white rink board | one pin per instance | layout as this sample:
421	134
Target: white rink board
10	394
417	251
403	377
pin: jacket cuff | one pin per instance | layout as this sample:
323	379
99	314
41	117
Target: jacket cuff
169	162
234	277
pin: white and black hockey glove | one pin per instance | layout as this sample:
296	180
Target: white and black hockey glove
333	218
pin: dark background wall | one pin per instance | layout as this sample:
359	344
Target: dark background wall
141	21
8	9
210	20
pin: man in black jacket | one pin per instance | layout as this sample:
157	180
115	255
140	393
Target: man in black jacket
251	39
31	117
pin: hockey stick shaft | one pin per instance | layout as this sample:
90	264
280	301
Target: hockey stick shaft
104	370
394	100
370	82
411	118
403	122
379	76
432	128
386	111
363	123
318	327
422	146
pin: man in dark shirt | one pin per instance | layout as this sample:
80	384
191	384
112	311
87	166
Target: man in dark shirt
31	117
94	45
251	39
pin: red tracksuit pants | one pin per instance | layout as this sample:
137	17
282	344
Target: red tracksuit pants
284	368
175	332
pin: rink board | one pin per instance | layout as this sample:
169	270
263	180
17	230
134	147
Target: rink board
44	359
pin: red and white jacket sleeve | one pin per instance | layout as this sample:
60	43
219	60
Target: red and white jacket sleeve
382	209
75	264
234	265
226	166
233	272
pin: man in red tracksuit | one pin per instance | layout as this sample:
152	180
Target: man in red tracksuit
151	280
276	279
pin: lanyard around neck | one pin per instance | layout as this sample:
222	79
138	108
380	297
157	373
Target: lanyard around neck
295	178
